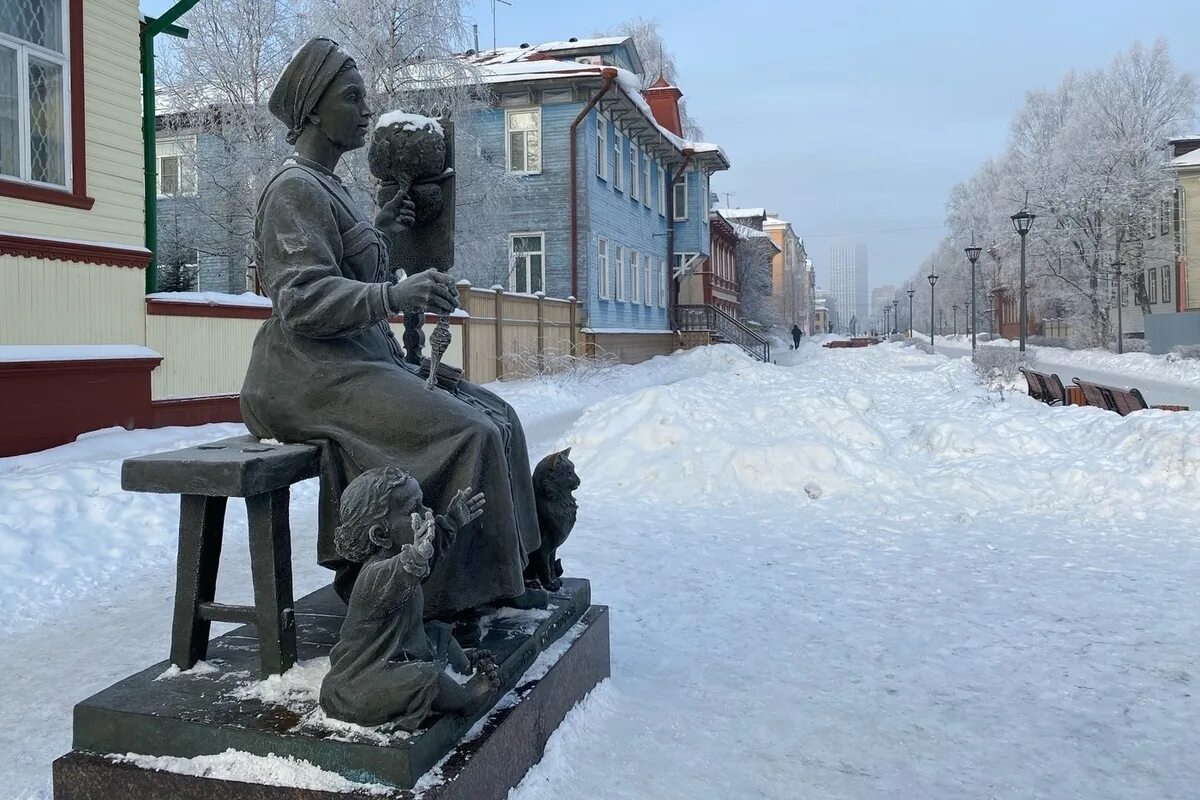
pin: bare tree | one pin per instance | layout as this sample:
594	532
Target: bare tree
657	60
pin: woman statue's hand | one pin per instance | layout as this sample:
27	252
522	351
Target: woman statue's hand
430	290
396	216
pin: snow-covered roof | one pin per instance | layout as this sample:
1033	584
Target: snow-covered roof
1191	159
742	213
508	55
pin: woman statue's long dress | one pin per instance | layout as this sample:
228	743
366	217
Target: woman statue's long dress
326	367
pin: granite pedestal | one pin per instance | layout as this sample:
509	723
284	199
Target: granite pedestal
206	713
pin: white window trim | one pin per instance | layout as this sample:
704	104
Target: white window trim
601	147
24	50
661	184
508	112
618	159
646	181
604	270
683	180
620	264
184	148
635	276
635	173
512	260
647	278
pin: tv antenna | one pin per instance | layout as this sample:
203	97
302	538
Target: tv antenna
494	2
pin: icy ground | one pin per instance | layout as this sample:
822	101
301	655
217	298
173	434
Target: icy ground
852	575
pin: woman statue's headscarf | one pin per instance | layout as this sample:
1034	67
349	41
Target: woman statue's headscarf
304	80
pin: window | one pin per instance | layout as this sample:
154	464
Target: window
527	257
603	271
1166	284
681	198
1164	222
1183	223
620	253
662	283
601	147
33	92
661	185
635	173
1152	285
176	167
646	262
646	191
635	275
524	140
618	162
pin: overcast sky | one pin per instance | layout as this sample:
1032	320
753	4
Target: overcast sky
855	119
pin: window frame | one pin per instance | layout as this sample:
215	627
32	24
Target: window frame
604	270
647	184
661	183
618	158
1152	285
620	268
1164	282
512	254
664	282
601	146
647	277
508	132
635	173
683	181
187	165
635	277
74	193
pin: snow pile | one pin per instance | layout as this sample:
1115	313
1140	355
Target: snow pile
272	770
243	300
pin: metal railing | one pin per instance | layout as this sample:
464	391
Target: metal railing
723	327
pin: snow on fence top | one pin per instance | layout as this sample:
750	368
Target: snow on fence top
246	299
73	352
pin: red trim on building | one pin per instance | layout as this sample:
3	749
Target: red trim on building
58	250
77	197
49	403
176	308
195	411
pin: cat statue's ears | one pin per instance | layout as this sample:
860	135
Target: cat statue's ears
565	453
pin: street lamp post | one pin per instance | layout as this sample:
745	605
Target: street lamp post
973	256
1117	265
895	316
910	293
932	280
1022	222
955	319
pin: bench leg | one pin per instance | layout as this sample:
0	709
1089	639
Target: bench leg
201	526
271	567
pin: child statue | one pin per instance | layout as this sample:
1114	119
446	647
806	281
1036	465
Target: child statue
388	665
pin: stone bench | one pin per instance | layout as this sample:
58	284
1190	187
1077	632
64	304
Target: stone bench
205	477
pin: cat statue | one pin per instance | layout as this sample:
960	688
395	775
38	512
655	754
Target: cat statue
554	480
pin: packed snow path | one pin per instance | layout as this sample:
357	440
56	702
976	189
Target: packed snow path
849	576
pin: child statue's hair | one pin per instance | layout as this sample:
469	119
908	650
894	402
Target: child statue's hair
364	505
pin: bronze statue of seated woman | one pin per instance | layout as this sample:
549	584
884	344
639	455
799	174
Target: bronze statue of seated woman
326	367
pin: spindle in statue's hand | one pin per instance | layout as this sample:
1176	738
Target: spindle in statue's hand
430	291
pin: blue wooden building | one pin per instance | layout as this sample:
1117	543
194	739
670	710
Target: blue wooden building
611	200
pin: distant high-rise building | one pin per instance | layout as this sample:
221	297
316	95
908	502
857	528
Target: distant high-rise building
881	298
848	282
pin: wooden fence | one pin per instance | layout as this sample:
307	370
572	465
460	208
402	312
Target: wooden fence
505	330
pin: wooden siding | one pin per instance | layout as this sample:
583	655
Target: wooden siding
631	348
45	301
613	215
112	87
1189	183
202	356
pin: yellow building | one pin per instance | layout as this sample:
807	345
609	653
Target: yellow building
1186	166
791	284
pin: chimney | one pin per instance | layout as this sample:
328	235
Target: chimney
664	104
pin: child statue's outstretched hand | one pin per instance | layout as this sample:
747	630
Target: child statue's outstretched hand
464	509
415	557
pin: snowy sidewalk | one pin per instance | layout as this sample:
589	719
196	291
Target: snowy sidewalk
848	576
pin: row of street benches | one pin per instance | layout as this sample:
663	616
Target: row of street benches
1049	389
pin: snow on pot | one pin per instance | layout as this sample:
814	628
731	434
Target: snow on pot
407	150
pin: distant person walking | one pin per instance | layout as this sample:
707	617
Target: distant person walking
796	334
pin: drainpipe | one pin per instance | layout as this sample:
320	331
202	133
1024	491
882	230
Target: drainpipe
610	76
673	283
152	27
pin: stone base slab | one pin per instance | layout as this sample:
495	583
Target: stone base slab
492	758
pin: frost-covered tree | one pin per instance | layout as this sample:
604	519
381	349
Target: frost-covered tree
1088	157
657	59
